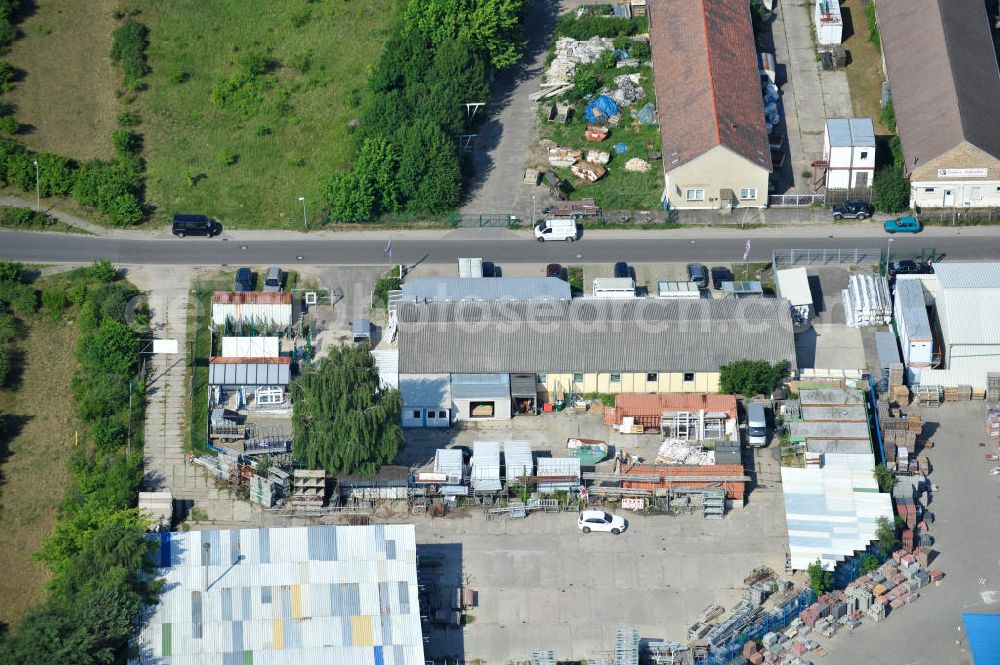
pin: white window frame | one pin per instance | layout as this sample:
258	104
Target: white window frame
745	193
694	194
616	377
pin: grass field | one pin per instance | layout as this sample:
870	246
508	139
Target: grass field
287	132
864	73
33	453
67	96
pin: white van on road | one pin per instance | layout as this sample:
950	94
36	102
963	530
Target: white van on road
557	229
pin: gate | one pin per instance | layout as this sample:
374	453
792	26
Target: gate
789	258
486	219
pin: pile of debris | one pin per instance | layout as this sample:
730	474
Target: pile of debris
636	165
570	53
675	451
598	157
627	90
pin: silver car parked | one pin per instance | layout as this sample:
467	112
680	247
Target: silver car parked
272	279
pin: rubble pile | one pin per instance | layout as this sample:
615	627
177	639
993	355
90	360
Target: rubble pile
627	90
570	53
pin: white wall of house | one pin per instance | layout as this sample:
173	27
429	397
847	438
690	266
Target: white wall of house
849	166
463	408
698	184
966	193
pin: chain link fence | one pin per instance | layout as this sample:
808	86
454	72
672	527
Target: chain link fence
790	258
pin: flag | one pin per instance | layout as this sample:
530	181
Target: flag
388	250
746	250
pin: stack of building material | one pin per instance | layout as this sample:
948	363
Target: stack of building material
563	156
867	301
627	90
308	487
993	386
742	616
713	611
993	423
569	53
673	451
261	492
930	396
588	172
598	157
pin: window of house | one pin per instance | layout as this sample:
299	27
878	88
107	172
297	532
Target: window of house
695	195
652	377
577	377
864	154
688	376
416	415
442	415
616	377
748	193
541	378
930	190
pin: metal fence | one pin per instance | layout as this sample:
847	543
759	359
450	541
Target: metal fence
482	219
788	258
796	200
772	621
838	196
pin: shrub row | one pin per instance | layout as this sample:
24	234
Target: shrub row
25	218
98	552
591	25
115	188
8	31
128	49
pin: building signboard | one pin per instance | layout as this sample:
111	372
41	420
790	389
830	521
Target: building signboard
962	173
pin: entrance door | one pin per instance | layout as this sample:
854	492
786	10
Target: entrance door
862	179
949	198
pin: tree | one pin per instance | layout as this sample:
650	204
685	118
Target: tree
493	26
888	539
868	563
344	422
890	190
7	76
751	377
11	271
820	581
103	271
4	366
350	197
885	478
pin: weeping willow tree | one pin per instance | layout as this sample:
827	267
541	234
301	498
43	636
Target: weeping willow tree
344	422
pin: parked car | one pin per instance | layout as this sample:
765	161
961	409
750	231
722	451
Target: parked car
598	520
553	270
698	274
910	267
855	209
721	274
490	269
621	270
907	224
361	331
557	229
244	280
272	279
195	225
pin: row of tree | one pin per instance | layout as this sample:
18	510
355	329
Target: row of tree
413	112
98	552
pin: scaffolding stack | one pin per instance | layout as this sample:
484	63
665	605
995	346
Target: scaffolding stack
867	301
993	387
308	488
626	647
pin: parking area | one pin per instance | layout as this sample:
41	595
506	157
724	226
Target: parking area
967	535
829	343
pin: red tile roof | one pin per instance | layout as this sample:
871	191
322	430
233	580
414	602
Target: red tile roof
653	405
250	361
252	298
707	80
670	476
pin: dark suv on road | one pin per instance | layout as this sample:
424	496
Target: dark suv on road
855	209
195	225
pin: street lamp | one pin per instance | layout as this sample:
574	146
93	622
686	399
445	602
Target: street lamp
534	219
305	220
888	251
38	190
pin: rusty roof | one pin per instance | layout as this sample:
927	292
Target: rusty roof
654	405
706	79
250	361
252	298
942	70
673	476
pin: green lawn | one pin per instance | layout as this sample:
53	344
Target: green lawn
284	135
619	189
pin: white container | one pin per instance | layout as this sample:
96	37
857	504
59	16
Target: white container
470	267
614	287
828	22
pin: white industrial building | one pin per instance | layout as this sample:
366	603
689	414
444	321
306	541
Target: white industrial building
319	594
849	152
965	298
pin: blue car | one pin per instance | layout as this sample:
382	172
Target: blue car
908	224
244	280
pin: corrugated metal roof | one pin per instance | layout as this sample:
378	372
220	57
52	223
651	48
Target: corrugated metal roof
888	349
557	466
523	385
485	475
425	391
911	304
674	476
326	594
831	510
793	285
517	459
252	298
850	132
968	275
962	372
830	396
654	405
636	335
449	461
480	391
446	289
249	372
387	361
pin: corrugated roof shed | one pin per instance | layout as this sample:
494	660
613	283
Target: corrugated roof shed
969	298
252	298
485	476
831	510
250	347
948	43
706	79
249	371
321	594
673	476
445	289
636	335
517	460
564	472
643	405
449	462
830	396
850	132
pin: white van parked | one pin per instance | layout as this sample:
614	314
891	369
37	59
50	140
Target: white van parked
557	229
756	425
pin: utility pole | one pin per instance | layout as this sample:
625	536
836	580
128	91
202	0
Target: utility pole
38	190
305	219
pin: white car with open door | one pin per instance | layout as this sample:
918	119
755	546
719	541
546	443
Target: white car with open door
598	520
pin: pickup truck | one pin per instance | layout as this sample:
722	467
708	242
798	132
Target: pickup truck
907	224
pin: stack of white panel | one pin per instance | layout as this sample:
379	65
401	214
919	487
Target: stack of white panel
867	302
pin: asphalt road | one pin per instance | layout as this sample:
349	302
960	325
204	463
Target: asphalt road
355	250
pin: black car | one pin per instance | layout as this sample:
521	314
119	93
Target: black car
855	209
244	280
490	269
720	275
621	269
553	270
908	267
698	274
195	225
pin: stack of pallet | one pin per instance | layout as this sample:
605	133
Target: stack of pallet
898	392
951	394
993	387
964	393
930	396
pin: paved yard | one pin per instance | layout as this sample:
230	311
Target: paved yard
829	343
967	534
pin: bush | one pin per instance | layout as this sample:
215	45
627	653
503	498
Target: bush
820	581
751	377
640	50
585	82
56	174
890	190
887	114
888	538
124	141
226	157
874	37
7	76
55	301
25	218
5	367
102	271
255	62
128	118
588	26
607	60
11	272
885	479
383	285
9	125
128	49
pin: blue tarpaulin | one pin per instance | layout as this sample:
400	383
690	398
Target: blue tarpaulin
983	631
601	109
620	148
647	114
